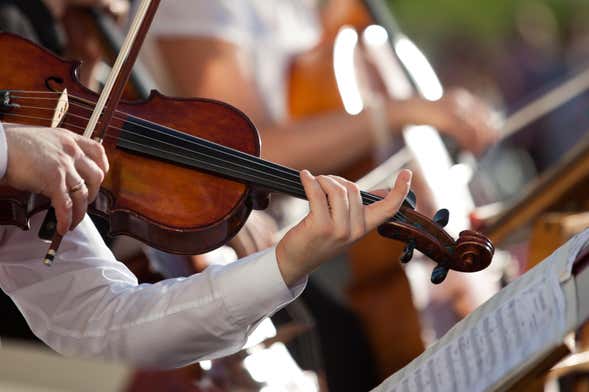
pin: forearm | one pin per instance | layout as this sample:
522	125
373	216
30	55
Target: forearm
322	144
329	142
88	304
168	324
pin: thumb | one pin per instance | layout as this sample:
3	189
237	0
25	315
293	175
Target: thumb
376	213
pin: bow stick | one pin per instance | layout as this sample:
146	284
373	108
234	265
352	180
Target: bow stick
113	89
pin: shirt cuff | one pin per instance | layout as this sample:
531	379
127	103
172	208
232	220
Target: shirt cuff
253	288
3	152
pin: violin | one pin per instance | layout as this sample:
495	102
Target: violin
185	173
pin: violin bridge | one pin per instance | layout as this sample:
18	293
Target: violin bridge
60	109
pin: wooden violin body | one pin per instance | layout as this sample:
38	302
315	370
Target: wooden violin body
200	210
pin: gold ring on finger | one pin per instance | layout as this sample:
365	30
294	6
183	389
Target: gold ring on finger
77	187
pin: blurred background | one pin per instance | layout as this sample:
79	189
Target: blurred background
509	52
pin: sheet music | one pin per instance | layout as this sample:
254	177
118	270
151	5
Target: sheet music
522	321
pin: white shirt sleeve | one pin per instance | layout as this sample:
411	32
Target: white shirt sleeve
3	152
88	304
223	19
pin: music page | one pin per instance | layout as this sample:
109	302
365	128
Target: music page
516	326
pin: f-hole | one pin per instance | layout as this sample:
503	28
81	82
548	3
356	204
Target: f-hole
52	82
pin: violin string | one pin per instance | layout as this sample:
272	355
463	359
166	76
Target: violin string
26	116
254	160
221	166
33	91
369	198
237	170
289	172
33	107
295	190
53	109
69	124
286	171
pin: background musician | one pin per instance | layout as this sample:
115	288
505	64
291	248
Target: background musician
240	53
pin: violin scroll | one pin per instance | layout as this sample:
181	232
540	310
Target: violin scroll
470	253
474	251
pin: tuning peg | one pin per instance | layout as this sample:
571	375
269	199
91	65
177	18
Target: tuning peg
439	274
407	252
441	217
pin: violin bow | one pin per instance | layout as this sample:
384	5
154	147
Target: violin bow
113	90
547	102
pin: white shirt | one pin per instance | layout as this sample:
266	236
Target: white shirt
88	304
270	32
